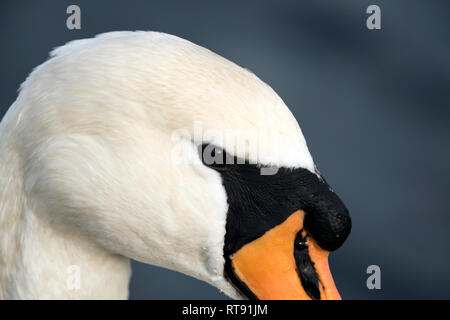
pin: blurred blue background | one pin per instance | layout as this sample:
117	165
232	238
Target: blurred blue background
373	106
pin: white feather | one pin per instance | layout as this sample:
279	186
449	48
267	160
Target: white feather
86	172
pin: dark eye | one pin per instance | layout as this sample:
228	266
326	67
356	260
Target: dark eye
213	156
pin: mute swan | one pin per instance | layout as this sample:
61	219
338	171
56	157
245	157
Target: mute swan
89	177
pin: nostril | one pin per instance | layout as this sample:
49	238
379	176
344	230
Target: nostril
300	241
305	267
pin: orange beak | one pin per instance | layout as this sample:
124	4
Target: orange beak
268	268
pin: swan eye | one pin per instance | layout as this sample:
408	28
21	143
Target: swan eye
213	156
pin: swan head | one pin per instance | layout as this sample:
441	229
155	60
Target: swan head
162	151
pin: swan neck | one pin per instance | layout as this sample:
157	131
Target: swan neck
40	259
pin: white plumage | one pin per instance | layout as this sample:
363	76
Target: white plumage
86	175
